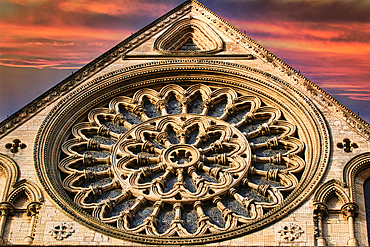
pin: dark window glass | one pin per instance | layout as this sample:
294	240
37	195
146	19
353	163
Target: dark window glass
367	206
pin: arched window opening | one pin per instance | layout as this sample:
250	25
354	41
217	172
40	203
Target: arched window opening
335	222
2	182
367	205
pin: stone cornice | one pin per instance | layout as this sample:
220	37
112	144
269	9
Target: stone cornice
355	122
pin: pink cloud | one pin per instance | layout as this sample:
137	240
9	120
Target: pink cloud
112	7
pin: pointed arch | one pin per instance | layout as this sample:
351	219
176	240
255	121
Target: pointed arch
11	171
352	168
329	188
200	35
32	191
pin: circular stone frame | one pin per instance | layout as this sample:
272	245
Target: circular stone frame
294	104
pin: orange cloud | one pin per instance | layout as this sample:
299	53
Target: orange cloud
112	7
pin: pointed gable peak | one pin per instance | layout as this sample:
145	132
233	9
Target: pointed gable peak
200	34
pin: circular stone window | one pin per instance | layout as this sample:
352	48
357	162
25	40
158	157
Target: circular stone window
176	165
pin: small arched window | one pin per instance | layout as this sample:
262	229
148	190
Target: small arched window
367	205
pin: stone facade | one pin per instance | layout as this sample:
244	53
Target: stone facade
188	132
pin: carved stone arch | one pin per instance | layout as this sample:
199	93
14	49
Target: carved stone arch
329	188
202	36
355	173
34	196
12	191
32	191
323	213
11	171
352	168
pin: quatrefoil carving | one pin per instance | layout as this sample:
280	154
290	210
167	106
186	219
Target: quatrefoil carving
15	146
347	145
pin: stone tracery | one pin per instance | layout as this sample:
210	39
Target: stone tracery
149	163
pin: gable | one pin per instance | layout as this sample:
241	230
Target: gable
133	46
187	132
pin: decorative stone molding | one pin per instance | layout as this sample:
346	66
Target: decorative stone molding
10	169
31	190
350	210
61	231
347	145
32	210
6	209
205	39
126	158
319	212
320	209
15	146
327	189
290	232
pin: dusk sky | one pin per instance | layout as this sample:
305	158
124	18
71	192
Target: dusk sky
44	41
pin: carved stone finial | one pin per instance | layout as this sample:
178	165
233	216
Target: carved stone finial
15	146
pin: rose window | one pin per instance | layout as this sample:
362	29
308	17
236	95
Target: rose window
181	162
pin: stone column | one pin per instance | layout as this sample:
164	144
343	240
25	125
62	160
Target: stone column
32	210
350	211
6	209
320	211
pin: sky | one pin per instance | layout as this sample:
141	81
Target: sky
44	41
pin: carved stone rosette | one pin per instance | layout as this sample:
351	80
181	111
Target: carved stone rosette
290	232
61	231
181	162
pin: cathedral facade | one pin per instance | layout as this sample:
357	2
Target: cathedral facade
186	133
